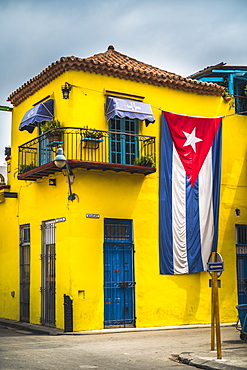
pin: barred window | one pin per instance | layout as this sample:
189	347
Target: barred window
241	239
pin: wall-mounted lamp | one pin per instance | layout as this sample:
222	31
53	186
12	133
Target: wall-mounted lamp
66	90
237	212
61	161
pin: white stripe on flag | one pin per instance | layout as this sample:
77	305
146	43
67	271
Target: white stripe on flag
206	208
180	261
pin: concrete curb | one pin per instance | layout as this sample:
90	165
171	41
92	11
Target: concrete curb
202	363
46	330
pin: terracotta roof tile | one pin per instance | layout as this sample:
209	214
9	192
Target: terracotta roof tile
113	63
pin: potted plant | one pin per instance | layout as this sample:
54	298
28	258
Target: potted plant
227	96
51	128
92	134
145	160
26	167
92	138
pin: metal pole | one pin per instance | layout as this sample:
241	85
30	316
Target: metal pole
213	309
71	195
215	314
212	319
217	317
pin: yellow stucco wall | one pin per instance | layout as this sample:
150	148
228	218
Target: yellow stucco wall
159	300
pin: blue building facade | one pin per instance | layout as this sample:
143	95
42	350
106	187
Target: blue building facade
234	78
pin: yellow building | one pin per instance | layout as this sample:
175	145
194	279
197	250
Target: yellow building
79	245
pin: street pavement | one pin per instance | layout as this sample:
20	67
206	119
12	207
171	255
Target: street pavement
27	346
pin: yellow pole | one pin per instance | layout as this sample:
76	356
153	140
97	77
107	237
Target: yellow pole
217	316
212	319
213	308
215	313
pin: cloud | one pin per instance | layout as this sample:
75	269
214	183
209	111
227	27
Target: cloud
178	36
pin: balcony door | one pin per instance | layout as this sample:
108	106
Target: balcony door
123	140
45	153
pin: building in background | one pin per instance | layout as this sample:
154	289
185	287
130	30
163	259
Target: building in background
233	78
79	244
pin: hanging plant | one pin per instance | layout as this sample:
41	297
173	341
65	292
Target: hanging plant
227	96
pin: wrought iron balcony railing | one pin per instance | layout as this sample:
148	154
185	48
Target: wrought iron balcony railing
87	148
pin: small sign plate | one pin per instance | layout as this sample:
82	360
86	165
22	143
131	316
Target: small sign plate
216	266
92	215
60	219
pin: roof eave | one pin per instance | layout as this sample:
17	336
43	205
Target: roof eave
65	64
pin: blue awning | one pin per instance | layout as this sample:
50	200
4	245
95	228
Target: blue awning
128	108
41	112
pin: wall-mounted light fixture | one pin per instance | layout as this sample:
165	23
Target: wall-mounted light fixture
61	161
66	90
237	212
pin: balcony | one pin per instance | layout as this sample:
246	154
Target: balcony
88	149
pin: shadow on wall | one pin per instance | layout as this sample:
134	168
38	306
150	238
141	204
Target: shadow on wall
190	293
233	205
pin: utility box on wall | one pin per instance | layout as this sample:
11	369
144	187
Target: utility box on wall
68	313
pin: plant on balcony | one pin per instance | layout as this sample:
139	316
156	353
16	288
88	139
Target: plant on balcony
26	167
145	160
48	128
90	133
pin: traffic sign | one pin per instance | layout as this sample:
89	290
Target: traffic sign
215	266
219	263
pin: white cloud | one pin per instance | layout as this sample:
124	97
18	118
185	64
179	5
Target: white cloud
181	36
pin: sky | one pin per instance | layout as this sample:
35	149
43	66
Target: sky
179	36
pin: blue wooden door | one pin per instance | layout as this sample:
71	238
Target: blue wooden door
119	285
241	244
242	278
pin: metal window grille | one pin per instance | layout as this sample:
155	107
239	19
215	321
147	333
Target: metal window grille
117	231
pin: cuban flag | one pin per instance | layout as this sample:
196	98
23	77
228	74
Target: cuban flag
190	166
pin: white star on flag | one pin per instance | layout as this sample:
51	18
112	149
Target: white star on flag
191	139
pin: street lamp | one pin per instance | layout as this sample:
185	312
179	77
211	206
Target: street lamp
61	161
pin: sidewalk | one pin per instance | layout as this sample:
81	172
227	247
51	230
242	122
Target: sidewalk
234	350
232	359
